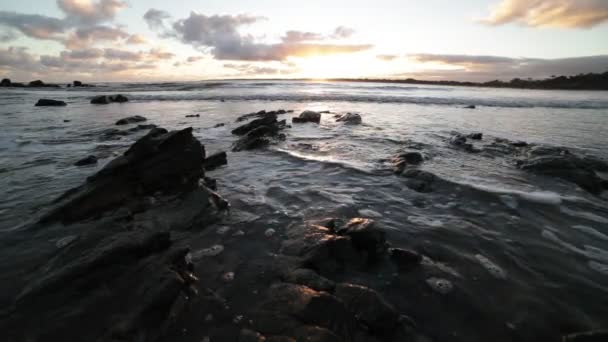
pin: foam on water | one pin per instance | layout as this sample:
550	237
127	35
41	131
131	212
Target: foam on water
541	197
439	285
599	267
491	267
425	221
590	231
584	215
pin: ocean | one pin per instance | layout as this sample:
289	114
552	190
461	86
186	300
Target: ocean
530	251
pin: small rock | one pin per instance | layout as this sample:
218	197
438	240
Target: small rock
475	136
365	236
308	116
216	160
50	103
219	125
86	161
350	118
130	120
106	99
77	84
470	107
193	116
228	276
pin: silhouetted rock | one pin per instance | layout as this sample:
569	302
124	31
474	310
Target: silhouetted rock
308	116
193	116
470	107
86	161
475	136
262	113
130	120
219	125
350	118
106	99
37	83
215	160
6	82
50	103
258	133
77	84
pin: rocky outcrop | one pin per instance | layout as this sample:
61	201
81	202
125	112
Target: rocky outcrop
130	120
6	82
160	162
350	118
307	116
50	103
561	163
258	133
106	99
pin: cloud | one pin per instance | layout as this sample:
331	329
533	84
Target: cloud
193	59
33	25
247	69
89	36
343	32
219	34
387	58
550	13
485	68
16	57
136	39
89	12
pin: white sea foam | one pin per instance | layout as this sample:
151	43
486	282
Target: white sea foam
442	286
599	267
584	215
491	267
542	197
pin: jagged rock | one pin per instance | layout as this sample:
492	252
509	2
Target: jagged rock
561	163
86	161
310	278
169	162
475	136
308	116
106	99
77	84
130	120
404	258
6	82
365	236
258	133
419	180
369	307
50	103
215	160
350	118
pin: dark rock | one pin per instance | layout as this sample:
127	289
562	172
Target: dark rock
86	161
419	180
67	120
193	116
77	84
365	236
310	278
470	107
308	116
401	161
50	103
17	85
404	258
475	136
219	125
260	114
258	133
267	120
161	161
215	160
37	83
6	82
142	127
130	120
106	99
350	118
369	307
460	141
519	143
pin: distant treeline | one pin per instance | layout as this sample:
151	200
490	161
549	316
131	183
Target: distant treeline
578	82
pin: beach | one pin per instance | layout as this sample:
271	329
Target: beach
474	237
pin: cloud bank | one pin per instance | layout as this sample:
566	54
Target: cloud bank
219	34
550	13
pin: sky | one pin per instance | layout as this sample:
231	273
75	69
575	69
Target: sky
153	40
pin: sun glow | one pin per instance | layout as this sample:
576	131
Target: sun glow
338	66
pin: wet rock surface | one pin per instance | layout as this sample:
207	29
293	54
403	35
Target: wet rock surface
261	114
89	160
130	120
50	103
216	160
308	116
350	118
106	99
259	133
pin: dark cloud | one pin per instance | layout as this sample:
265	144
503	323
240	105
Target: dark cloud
193	59
89	12
16	57
342	32
485	68
33	25
552	13
219	34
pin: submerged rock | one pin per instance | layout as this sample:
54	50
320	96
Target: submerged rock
86	161
475	136
106	99
130	120
258	133
50	103
350	118
419	180
460	141
402	160
404	258
307	116
559	162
